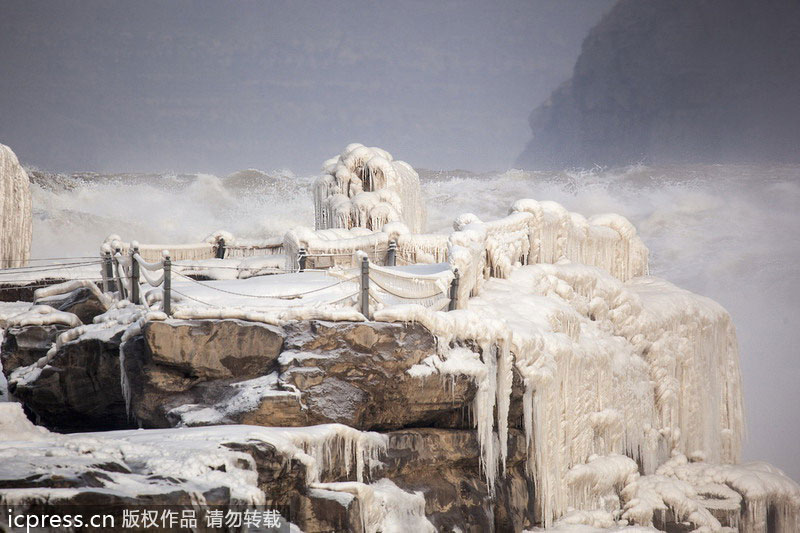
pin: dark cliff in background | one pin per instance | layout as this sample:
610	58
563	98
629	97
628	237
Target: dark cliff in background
665	82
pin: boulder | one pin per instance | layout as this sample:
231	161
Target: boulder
80	389
23	345
214	349
176	362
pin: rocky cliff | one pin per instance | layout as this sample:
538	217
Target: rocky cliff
660	81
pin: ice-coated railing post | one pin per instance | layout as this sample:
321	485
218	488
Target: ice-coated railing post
454	291
220	254
302	255
166	302
365	287
117	267
134	273
391	254
108	272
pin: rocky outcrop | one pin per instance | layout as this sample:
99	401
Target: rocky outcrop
15	211
201	372
176	361
707	81
444	466
79	390
242	465
24	345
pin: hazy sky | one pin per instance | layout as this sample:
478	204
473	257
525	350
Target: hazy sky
219	86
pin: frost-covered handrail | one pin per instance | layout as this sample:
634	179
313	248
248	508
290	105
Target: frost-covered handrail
152	252
123	260
71	286
410	285
155	282
270	246
607	241
152	267
158	265
333	247
422	248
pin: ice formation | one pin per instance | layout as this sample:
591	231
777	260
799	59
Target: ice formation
153	252
765	493
637	369
15	211
386	507
367	188
334	247
608	241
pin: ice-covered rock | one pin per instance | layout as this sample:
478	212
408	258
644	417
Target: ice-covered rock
24	345
80	390
15	211
327	478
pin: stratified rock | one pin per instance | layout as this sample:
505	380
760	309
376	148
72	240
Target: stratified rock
203	372
175	361
15	211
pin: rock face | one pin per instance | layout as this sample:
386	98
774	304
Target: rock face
708	81
15	211
443	465
176	362
80	390
202	372
248	465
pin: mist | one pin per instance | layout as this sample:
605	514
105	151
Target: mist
207	86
